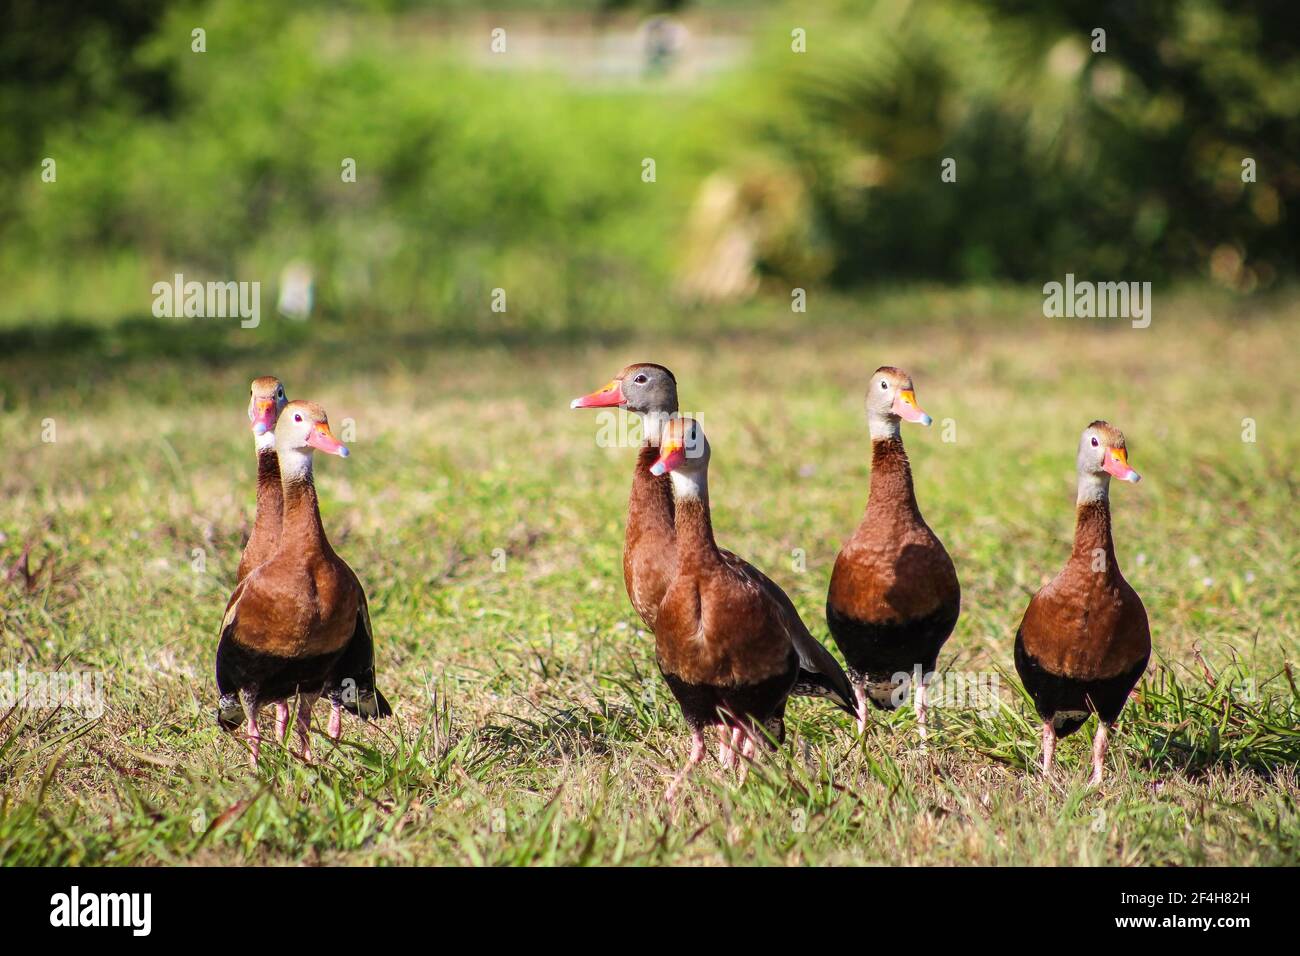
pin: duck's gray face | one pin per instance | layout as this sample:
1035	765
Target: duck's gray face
304	426
266	400
649	390
682	448
643	388
890	395
1102	451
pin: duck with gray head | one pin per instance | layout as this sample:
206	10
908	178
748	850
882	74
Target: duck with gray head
1084	641
725	642
297	624
894	598
650	543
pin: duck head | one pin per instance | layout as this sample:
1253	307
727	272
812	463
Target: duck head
266	400
302	429
644	388
1102	456
683	450
890	399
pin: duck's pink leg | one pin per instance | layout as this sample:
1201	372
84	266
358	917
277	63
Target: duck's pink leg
1100	743
336	720
251	708
1049	745
281	720
726	755
747	753
698	750
860	691
305	702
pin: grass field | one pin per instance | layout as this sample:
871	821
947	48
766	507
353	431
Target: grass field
531	725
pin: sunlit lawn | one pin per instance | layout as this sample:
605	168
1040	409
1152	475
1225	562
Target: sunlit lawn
532	726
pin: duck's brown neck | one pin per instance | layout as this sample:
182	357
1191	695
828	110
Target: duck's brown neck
695	544
302	531
891	478
1092	536
651	504
270	495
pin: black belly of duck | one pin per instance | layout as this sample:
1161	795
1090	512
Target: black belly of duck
352	684
875	653
1068	701
761	703
275	677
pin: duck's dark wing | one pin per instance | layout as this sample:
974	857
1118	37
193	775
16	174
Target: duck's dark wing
820	674
353	683
230	710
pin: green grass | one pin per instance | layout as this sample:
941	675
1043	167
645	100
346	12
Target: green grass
532	726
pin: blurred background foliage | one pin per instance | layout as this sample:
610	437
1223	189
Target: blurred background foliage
774	169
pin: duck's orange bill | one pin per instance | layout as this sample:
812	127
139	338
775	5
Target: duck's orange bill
671	455
1116	463
263	416
905	407
610	395
322	439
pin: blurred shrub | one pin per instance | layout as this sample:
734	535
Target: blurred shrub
797	168
1123	163
68	58
467	180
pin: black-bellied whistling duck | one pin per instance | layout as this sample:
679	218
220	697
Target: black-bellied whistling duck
298	623
650	544
724	641
894	596
1084	641
266	399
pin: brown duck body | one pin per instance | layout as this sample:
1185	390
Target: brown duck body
1085	640
650	566
289	622
298	624
894	597
722	641
265	537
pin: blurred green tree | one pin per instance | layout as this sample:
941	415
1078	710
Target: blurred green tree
63	59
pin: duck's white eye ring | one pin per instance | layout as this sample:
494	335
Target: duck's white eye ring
884	384
1094	441
640	380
